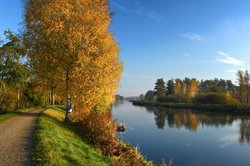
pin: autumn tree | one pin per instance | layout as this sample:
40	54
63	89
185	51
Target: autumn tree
71	38
160	87
179	87
193	87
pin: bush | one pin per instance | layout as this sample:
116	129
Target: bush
6	105
174	99
7	102
100	131
216	98
32	98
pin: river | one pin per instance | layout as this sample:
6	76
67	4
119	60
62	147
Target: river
186	137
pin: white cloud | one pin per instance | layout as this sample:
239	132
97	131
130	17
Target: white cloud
227	59
140	11
192	36
234	71
228	140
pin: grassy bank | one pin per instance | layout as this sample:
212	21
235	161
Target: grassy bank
208	107
57	143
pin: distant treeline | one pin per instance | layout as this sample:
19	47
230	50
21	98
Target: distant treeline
213	91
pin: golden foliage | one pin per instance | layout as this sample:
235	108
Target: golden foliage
70	41
193	87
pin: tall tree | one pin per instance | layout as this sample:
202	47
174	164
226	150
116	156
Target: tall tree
13	72
73	37
160	87
247	84
170	87
240	79
187	85
216	85
179	87
193	87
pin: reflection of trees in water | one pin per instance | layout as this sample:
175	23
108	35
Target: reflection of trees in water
191	119
150	109
117	103
160	117
244	131
188	119
217	119
176	119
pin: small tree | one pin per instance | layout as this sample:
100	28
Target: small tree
150	95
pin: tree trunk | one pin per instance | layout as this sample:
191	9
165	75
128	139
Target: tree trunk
49	97
53	97
68	104
18	98
52	94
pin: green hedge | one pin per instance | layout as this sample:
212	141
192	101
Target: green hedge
174	99
216	98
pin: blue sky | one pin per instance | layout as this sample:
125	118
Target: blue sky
170	38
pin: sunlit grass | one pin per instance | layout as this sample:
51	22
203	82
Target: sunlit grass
57	143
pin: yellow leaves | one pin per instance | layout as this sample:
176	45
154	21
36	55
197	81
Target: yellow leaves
73	35
193	87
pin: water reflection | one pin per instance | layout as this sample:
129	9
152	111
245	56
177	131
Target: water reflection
245	131
188	137
191	120
117	103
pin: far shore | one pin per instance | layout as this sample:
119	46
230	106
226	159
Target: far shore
239	109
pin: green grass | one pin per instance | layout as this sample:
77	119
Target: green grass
5	116
57	143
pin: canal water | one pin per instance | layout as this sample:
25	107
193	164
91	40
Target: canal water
186	137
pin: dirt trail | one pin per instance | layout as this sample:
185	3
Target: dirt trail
16	136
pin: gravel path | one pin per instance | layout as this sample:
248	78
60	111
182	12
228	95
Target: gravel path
16	135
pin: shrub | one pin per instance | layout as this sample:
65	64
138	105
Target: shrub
215	98
7	101
100	130
174	99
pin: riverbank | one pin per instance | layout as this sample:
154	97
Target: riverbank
238	109
59	143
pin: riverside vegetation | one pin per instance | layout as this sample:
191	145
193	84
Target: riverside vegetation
65	143
216	94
